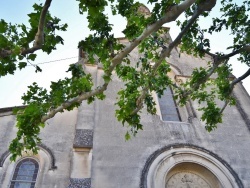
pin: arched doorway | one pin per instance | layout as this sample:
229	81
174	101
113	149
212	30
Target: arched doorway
187	166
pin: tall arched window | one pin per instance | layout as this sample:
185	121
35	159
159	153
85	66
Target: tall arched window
25	174
169	110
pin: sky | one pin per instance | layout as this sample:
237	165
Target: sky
12	87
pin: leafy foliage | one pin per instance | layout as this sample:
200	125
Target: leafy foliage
15	39
39	101
207	85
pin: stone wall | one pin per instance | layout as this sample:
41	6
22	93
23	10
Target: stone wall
55	152
119	163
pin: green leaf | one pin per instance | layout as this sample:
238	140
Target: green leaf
38	69
3	26
32	57
127	136
21	65
42	125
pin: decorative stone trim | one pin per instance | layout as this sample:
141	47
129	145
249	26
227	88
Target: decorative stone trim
83	138
80	183
3	157
180	73
243	114
158	159
43	147
50	153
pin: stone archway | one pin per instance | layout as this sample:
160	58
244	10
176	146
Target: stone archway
187	166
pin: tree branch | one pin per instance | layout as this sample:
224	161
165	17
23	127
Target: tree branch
170	16
39	38
246	74
77	99
186	28
196	14
210	54
207	5
224	106
197	84
166	53
233	83
227	56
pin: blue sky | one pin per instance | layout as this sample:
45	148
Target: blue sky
13	86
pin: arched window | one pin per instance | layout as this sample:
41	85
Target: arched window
25	174
169	110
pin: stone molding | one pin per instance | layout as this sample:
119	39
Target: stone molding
80	183
83	138
4	157
50	154
242	112
164	159
43	147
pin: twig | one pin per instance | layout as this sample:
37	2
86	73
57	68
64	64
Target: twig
224	106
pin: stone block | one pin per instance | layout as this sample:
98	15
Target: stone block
83	138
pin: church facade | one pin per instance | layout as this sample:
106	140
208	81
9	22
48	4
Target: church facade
86	147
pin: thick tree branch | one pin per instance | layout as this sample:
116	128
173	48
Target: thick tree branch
169	16
172	15
186	28
5	53
227	56
164	53
39	38
209	53
77	99
207	5
246	74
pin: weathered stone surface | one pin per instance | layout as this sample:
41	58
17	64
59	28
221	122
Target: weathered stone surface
58	136
80	183
83	138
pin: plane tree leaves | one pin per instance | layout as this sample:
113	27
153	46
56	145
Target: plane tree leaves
19	42
207	85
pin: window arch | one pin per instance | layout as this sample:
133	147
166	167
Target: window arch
25	174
